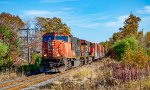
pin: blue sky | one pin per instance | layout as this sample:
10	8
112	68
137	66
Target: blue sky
93	20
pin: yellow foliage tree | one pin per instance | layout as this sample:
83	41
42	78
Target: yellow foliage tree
147	40
138	59
130	27
127	57
52	25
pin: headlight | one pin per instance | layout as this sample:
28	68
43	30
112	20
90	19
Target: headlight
45	55
58	55
52	43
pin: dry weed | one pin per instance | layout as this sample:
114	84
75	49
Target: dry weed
9	75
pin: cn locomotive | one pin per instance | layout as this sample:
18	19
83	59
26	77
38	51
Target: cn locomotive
61	52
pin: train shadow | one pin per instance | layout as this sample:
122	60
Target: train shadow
36	73
51	72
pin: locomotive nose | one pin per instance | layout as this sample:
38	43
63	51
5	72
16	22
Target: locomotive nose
54	49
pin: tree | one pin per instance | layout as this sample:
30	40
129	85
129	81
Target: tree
52	25
116	36
120	46
147	40
3	49
131	26
11	21
106	45
138	59
9	27
4	59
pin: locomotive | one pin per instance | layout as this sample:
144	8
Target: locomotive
61	52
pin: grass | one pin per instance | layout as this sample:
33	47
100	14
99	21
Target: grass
83	73
90	77
18	71
10	75
106	74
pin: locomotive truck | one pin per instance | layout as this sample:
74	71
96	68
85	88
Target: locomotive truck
61	52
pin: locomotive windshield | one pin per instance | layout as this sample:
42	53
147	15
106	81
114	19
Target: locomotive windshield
49	38
63	38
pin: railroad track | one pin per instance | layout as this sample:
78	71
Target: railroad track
5	85
31	80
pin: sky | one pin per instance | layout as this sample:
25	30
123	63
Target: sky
92	20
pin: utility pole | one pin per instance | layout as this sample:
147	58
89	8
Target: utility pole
29	60
28	42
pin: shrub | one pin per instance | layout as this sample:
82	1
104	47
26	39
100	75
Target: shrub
34	57
120	46
38	62
30	67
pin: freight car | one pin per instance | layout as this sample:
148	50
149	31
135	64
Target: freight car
61	52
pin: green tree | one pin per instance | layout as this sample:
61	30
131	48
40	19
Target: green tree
120	46
3	49
5	60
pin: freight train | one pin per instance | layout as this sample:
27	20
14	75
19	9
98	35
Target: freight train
62	52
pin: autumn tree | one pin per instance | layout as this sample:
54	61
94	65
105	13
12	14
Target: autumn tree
9	27
147	42
11	21
130	26
137	59
147	39
140	36
129	29
116	36
52	25
106	45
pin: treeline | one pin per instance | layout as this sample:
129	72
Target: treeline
129	45
10	33
9	41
